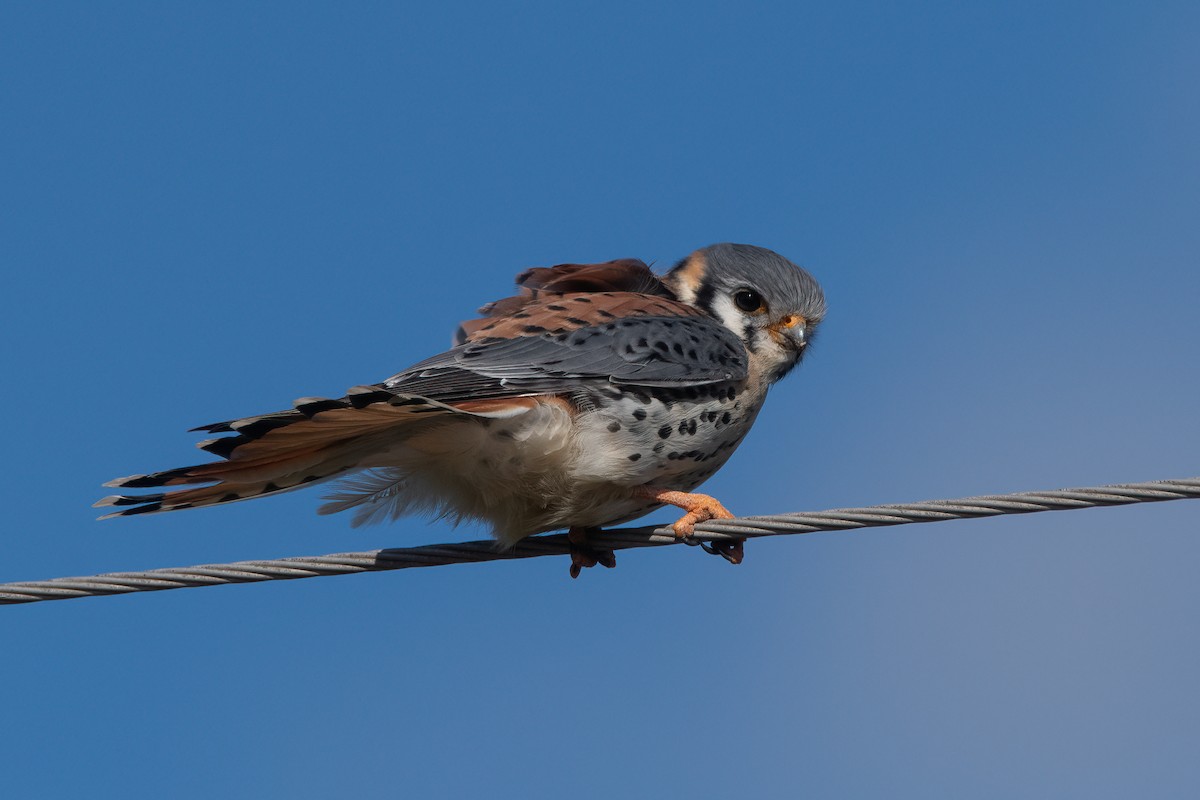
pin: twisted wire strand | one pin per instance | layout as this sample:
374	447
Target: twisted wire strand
619	539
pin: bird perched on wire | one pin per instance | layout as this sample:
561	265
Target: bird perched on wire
597	394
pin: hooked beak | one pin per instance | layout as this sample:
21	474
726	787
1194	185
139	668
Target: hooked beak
790	332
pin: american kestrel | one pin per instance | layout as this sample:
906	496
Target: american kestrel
599	393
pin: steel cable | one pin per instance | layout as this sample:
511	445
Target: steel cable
619	539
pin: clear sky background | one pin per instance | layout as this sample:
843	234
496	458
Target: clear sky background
209	209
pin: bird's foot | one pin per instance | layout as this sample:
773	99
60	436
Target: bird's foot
699	508
583	555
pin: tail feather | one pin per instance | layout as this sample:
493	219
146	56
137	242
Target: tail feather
198	497
271	453
251	426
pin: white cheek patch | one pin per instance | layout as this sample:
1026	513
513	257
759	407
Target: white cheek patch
758	340
724	310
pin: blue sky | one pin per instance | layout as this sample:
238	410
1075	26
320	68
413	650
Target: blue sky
211	209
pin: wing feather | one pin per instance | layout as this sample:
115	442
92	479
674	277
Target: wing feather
644	351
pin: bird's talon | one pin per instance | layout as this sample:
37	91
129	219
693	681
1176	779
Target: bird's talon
732	551
584	556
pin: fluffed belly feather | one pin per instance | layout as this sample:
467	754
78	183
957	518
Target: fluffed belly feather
547	468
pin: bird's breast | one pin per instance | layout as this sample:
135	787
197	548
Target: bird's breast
675	438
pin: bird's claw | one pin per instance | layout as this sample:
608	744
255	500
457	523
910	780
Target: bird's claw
584	556
731	550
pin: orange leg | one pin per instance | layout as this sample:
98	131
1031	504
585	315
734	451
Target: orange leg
699	508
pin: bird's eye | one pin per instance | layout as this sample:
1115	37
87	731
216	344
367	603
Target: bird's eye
749	301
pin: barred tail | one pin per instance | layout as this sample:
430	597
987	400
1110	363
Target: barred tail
318	440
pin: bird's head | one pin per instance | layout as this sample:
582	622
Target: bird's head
772	305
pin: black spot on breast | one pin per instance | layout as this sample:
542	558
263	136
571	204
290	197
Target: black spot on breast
658	448
556	308
614	426
639	414
576	321
635	456
534	329
582	299
605	314
725	418
664	432
663	346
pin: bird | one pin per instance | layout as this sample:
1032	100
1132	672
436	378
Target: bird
596	394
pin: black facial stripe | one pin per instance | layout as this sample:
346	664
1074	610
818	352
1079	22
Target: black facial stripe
704	298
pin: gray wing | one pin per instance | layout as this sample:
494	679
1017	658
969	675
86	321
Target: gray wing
641	351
